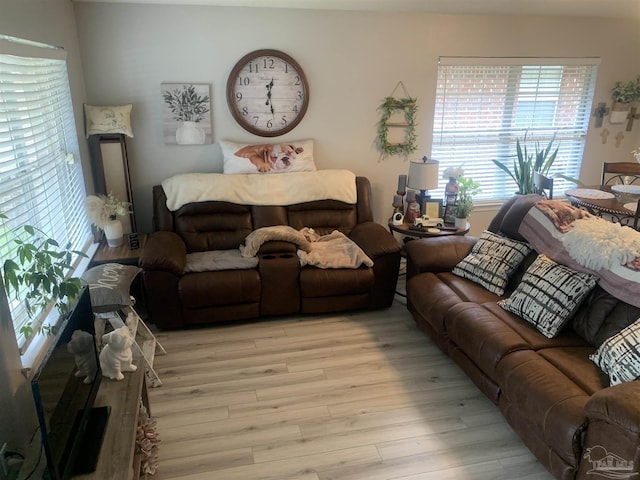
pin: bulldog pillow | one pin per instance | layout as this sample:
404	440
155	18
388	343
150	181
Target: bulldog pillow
268	158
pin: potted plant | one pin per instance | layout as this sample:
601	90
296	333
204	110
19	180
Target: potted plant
527	162
103	211
467	189
623	93
189	108
38	275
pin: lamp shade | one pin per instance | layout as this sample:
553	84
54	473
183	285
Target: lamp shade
423	174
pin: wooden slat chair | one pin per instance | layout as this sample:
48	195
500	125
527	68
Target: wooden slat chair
620	173
543	184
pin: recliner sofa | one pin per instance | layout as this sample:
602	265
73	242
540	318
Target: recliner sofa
278	285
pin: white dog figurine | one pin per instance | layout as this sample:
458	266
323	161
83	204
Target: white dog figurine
82	347
116	356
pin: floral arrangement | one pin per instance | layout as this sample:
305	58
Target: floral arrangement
103	208
453	172
636	154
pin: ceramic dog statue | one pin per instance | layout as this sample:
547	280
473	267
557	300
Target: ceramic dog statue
82	347
116	356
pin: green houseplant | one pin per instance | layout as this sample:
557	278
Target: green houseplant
626	92
37	274
527	162
467	189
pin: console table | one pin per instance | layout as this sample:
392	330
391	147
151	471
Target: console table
118	458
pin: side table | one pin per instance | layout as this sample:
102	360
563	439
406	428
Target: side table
407	232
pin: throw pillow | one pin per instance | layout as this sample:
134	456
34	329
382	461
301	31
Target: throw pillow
619	356
548	295
492	260
115	119
109	286
268	158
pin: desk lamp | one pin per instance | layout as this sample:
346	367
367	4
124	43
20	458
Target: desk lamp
423	176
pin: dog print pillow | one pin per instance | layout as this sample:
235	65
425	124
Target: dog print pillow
268	158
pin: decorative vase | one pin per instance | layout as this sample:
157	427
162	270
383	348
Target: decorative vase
113	232
189	134
451	191
460	223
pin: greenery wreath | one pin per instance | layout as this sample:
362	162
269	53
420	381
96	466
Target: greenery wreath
388	107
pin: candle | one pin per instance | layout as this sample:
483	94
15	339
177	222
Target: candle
402	183
397	201
411	196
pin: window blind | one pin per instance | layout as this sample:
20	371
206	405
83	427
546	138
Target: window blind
483	105
41	181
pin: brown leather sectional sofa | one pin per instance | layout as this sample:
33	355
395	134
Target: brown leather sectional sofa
550	392
278	285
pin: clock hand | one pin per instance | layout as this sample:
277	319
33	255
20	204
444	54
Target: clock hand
269	102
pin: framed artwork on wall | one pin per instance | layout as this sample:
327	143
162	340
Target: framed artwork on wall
186	113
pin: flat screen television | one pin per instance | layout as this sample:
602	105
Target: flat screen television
71	428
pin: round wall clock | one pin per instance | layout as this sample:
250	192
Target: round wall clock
267	93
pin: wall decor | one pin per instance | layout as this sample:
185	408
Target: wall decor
186	113
267	93
397	115
450	212
433	207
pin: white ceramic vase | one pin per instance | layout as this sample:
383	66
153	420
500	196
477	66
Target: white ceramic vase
189	134
113	232
460	223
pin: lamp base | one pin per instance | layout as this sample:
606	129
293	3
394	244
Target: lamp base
421	198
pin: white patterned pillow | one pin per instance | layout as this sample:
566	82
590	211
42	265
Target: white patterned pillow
492	260
268	158
548	295
619	355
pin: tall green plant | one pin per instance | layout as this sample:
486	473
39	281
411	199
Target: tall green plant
467	189
527	162
37	274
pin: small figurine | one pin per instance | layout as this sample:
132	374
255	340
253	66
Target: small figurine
116	356
82	347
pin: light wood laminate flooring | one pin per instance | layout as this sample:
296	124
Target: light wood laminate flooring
363	396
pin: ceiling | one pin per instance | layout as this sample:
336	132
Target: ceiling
589	8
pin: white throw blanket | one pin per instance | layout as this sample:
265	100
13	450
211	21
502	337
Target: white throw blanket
596	243
335	250
256	189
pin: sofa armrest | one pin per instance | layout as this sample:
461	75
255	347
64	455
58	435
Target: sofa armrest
437	254
164	251
612	428
374	239
617	405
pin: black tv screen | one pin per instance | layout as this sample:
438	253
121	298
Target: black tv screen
64	400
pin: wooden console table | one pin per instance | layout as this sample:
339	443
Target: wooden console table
118	459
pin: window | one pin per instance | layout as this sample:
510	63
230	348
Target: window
41	181
484	105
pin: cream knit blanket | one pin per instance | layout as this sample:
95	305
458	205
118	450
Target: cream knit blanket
257	189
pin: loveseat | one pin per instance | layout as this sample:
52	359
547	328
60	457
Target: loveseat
278	284
548	389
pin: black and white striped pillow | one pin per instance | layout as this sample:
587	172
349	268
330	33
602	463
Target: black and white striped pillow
492	260
619	355
548	295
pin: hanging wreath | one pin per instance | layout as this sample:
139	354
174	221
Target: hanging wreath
389	106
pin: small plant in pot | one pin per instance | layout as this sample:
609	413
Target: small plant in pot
37	275
527	162
467	189
623	93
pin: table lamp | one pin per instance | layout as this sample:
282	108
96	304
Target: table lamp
423	176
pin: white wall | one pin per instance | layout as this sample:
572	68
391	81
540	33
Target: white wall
352	61
52	22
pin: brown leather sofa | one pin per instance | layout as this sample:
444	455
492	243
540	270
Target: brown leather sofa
279	285
556	399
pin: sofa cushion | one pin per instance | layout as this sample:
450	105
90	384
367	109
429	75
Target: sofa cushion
492	261
548	295
574	362
619	356
268	158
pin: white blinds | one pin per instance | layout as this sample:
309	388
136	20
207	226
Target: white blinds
41	181
484	105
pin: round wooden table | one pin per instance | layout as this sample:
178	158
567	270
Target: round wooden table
405	230
614	206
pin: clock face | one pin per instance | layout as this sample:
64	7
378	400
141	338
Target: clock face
267	93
